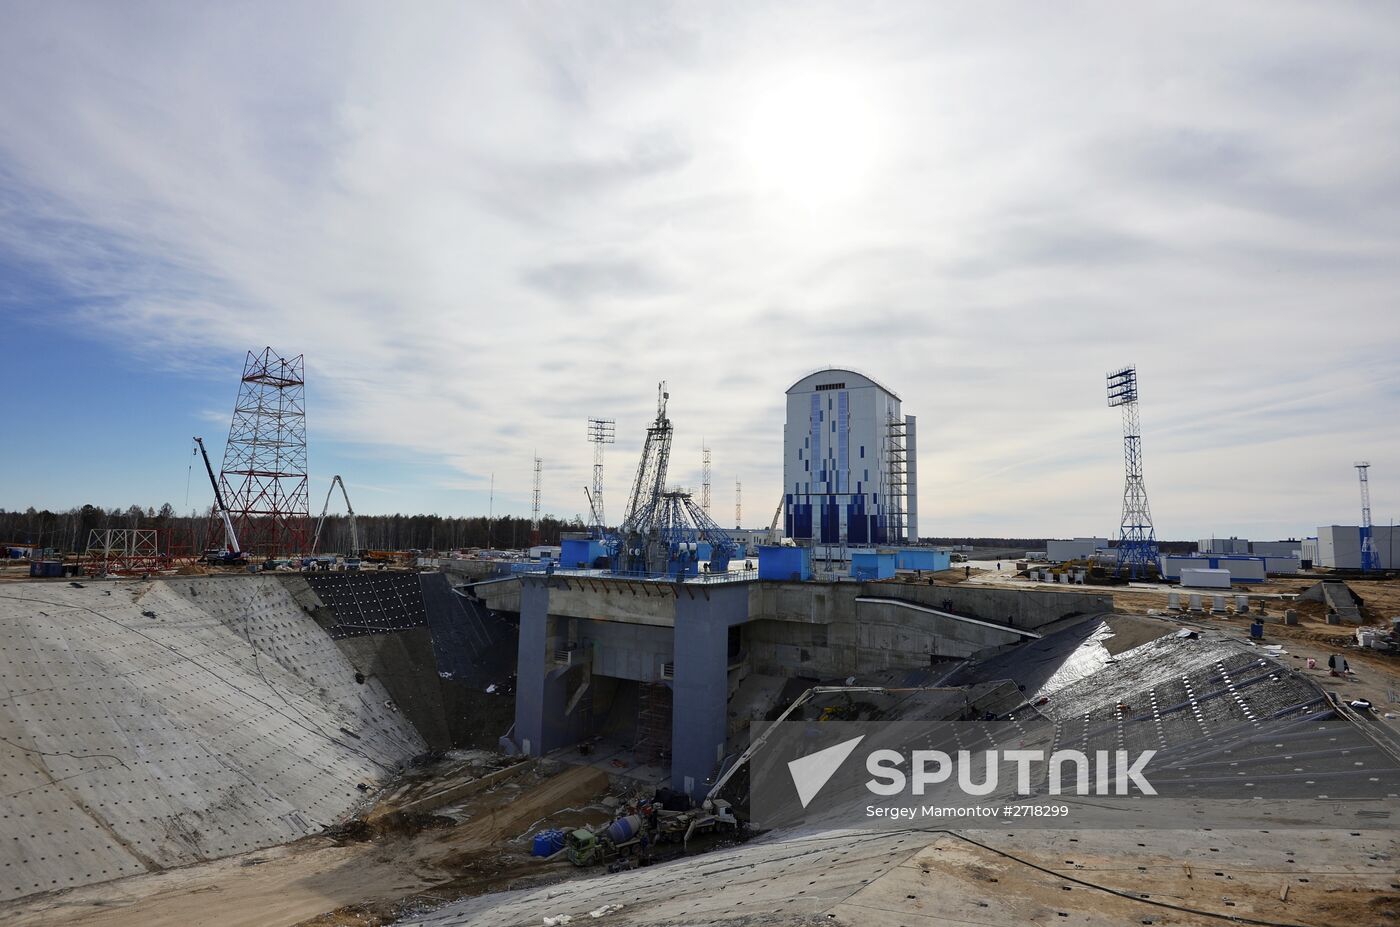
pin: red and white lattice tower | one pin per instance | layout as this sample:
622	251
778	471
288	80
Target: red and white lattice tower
263	477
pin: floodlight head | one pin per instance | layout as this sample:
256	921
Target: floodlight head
1122	387
602	430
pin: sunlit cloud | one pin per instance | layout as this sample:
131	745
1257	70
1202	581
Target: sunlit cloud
483	224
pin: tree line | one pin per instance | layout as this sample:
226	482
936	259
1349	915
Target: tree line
1166	547
70	530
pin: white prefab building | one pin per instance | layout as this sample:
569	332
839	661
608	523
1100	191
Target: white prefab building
1206	579
1077	549
1223	546
1339	546
1290	548
1240	569
850	473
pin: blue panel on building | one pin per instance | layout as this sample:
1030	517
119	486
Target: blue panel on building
872	564
790	563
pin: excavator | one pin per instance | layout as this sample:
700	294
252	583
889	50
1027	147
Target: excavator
231	554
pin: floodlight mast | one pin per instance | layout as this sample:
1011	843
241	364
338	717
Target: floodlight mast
1137	540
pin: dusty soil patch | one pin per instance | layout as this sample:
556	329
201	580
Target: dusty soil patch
359	875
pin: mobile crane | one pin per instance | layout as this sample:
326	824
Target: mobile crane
231	554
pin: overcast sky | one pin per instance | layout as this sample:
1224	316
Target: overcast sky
483	223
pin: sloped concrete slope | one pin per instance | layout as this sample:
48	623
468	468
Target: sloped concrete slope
145	725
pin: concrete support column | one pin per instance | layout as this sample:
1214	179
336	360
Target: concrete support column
700	690
532	669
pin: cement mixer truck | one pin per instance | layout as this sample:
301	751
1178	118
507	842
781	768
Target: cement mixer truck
635	834
622	837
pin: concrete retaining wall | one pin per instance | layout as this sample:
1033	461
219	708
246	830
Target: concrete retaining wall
436	659
146	725
1018	608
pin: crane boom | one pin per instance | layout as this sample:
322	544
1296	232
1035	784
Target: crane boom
231	544
349	511
761	739
773	535
593	510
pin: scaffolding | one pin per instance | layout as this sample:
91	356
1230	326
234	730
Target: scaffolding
896	480
123	552
263	478
653	744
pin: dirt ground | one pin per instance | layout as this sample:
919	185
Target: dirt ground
1107	886
361	875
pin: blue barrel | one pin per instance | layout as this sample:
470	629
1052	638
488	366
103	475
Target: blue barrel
548	842
1256	630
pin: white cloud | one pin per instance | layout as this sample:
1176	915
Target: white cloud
484	223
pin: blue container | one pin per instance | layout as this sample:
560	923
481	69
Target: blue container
922	558
789	563
872	564
548	842
46	568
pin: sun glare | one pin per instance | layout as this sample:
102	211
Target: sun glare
813	135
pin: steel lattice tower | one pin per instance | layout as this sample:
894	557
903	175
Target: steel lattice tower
1370	558
705	479
600	431
1137	541
535	504
738	505
263	477
636	546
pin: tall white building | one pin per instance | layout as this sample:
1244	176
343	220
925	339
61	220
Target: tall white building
850	476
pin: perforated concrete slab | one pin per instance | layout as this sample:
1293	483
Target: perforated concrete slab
145	725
